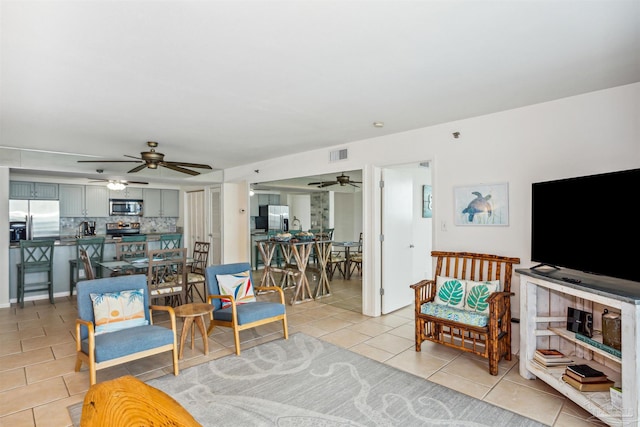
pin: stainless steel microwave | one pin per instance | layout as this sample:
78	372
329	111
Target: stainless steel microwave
125	207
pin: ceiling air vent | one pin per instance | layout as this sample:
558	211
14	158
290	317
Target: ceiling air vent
336	155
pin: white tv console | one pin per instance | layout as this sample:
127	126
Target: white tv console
544	298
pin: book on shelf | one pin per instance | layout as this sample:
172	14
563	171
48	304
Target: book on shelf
585	380
549	353
585	371
552	361
556	369
599	386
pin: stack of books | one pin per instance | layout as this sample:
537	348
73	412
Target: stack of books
551	359
586	378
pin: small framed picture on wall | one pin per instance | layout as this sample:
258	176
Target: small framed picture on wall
427	202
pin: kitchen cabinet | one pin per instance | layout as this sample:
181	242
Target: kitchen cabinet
128	193
83	201
24	190
161	203
265	199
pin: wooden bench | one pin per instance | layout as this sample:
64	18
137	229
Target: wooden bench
492	341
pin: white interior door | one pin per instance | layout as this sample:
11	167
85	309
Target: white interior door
397	245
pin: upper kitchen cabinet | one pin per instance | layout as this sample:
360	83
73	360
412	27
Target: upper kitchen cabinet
128	193
161	202
33	190
84	201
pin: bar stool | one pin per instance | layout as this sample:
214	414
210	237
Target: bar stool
135	238
36	256
170	241
94	246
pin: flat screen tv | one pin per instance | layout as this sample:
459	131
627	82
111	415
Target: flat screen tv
589	223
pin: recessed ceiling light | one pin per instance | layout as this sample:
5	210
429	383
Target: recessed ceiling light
378	124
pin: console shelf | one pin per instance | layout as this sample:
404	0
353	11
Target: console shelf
544	298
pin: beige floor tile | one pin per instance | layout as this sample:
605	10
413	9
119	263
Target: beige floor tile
371	328
531	403
330	324
32	395
405	331
21	335
345	338
50	369
391	320
12	379
78	382
416	363
439	350
26	358
462	385
56	414
371	352
64	350
572	410
312	331
390	343
10	347
46	341
473	370
20	419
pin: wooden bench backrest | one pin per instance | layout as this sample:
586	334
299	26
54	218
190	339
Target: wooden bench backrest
477	267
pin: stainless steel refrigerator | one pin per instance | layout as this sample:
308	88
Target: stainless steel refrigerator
277	217
41	217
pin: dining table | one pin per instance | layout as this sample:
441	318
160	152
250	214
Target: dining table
294	271
347	255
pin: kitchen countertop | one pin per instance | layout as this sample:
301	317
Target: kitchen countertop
71	241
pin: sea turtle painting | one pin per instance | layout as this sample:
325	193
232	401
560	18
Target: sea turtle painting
478	205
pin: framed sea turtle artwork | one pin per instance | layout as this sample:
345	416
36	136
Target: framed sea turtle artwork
482	204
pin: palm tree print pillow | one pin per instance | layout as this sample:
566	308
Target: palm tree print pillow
114	311
450	292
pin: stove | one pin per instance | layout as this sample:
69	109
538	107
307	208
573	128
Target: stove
119	229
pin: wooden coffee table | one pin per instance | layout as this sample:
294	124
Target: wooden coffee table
190	313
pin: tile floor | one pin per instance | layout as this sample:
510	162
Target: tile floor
37	357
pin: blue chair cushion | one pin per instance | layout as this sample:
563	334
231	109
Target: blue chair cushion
251	312
456	314
129	341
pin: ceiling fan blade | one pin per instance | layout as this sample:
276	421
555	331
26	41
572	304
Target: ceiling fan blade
352	183
189	165
179	169
109	161
133	157
327	184
134	182
138	168
356	182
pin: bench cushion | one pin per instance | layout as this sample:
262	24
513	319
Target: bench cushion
451	313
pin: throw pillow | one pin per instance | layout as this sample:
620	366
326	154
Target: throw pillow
114	311
477	294
238	285
450	291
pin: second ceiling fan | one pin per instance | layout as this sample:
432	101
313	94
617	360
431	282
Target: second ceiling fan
341	179
152	159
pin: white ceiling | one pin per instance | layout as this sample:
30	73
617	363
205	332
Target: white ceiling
234	82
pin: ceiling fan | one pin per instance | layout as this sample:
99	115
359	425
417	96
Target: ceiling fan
341	179
152	159
120	181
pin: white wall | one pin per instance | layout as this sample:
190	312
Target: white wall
300	207
4	238
591	133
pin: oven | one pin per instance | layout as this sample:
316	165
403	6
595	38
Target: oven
125	207
120	229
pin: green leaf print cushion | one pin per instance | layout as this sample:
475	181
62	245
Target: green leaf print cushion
477	295
450	292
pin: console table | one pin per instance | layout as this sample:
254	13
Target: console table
544	298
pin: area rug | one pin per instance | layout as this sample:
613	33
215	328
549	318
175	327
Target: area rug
305	381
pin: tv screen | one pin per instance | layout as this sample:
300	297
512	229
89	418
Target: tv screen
588	224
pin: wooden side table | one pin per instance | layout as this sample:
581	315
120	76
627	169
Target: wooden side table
190	313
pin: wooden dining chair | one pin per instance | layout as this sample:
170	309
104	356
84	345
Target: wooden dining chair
195	274
86	264
166	274
128	251
355	258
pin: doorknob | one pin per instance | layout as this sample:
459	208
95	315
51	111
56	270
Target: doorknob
411	246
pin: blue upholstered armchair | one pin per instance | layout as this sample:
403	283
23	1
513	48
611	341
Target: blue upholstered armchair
230	291
115	324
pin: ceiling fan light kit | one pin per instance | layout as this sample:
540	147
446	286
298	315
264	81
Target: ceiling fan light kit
116	186
152	159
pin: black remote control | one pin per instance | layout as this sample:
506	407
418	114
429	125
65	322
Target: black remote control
570	280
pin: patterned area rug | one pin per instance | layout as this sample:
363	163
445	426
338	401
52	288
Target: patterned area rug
304	381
